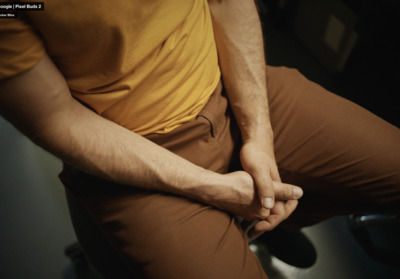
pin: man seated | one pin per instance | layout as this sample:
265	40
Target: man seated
170	125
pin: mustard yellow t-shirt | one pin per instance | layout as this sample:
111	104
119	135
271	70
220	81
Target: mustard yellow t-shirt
149	66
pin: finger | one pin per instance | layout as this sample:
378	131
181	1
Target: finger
258	229
269	223
267	194
290	207
265	189
283	211
284	191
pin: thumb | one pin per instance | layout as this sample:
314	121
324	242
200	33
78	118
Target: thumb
284	191
266	192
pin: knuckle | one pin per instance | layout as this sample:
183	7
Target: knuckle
288	192
264	213
280	191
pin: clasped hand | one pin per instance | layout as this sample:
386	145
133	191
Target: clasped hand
261	194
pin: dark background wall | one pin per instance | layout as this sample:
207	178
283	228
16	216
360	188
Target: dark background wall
295	29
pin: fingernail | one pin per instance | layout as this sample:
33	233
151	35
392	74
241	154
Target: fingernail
268	202
297	192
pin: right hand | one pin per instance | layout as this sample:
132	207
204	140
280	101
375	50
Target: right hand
241	198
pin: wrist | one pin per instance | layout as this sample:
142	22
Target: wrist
262	134
256	129
230	191
261	139
205	186
219	190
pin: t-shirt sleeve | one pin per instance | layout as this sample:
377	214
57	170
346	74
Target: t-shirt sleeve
20	47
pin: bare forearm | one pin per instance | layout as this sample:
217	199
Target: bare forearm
108	150
38	102
241	56
241	52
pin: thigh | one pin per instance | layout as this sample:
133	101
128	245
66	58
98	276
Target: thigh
158	235
344	157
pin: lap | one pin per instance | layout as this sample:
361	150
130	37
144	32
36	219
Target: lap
158	235
338	152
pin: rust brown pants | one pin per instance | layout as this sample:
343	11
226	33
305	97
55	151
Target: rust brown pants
346	159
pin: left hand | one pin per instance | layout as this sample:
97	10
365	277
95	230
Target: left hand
280	212
259	161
